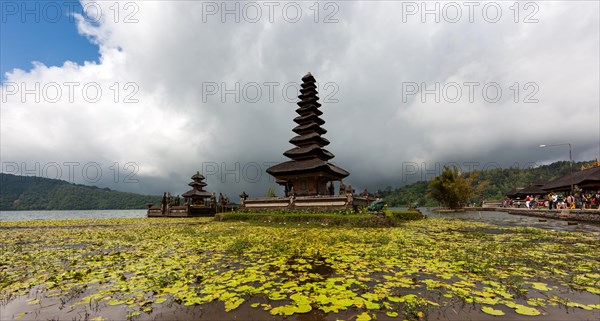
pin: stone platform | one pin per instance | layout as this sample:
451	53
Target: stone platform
320	203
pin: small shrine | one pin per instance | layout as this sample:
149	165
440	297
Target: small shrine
197	202
197	196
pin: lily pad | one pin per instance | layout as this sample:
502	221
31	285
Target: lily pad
525	310
492	311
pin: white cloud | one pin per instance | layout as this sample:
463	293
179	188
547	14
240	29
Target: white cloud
174	129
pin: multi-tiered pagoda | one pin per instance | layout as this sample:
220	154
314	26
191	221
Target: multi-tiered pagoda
308	173
197	195
197	202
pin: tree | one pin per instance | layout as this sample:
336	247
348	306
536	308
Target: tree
454	189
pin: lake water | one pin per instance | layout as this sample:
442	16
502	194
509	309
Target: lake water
63	215
506	219
498	218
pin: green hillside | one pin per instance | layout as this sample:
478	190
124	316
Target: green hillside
38	193
500	181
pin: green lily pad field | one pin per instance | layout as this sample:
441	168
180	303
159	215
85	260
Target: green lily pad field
173	269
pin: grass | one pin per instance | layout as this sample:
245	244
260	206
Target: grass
392	218
290	267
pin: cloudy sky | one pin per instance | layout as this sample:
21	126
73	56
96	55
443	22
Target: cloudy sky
138	96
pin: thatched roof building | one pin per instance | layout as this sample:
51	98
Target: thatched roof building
587	179
308	171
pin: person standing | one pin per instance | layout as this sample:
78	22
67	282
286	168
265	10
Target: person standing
554	200
527	201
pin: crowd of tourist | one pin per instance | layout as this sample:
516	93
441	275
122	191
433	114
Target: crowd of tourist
579	200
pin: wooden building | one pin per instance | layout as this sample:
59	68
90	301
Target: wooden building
587	180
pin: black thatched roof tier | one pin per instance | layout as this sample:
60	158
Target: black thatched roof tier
310	151
309	102
309	128
310	109
309	166
197	185
586	178
200	184
308	78
308	139
196	193
308	88
198	176
309	118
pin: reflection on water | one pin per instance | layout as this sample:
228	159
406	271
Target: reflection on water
66	215
506	219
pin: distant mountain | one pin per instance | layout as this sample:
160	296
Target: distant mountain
500	181
39	193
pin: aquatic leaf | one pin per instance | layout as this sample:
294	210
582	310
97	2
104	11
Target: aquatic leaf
283	310
255	305
33	301
160	300
133	314
525	310
372	305
578	305
233	304
303	308
115	302
276	296
392	314
593	290
491	311
540	286
363	317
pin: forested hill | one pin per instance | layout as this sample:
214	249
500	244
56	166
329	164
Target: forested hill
38	193
499	182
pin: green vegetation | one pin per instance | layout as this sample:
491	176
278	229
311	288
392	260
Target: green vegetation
393	218
453	189
499	182
38	193
123	268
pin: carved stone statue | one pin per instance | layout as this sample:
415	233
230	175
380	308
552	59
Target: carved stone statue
365	193
350	190
243	198
213	200
342	188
